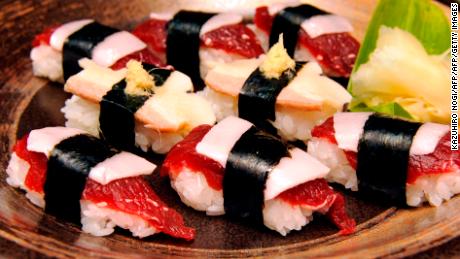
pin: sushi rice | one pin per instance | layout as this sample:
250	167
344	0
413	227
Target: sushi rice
47	63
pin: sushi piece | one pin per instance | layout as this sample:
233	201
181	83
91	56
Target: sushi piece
275	93
140	105
310	34
236	169
398	161
57	50
193	42
77	177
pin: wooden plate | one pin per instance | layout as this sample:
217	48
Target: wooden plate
27	102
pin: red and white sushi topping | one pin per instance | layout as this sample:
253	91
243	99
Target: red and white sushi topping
114	51
296	183
115	193
433	171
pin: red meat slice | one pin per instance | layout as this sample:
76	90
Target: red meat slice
153	33
313	193
235	39
338	215
263	20
134	196
144	56
316	193
335	52
35	177
183	156
325	131
44	37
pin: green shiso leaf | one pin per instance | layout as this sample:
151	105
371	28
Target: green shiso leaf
393	109
422	18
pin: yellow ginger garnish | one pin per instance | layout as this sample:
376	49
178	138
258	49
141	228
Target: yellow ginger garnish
277	60
138	80
400	70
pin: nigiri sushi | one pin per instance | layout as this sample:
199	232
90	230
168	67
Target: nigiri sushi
56	51
399	161
236	169
77	177
140	106
193	42
310	34
275	92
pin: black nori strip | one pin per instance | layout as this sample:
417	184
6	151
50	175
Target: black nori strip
383	158
343	81
116	117
68	167
81	44
298	143
254	155
288	22
183	44
257	97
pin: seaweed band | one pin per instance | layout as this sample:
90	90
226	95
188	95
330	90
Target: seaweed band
67	171
383	157
117	106
288	23
257	97
250	161
81	44
183	43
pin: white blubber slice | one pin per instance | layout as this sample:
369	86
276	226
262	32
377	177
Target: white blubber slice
292	171
311	90
326	24
221	138
348	128
177	81
220	20
165	16
61	34
44	140
116	46
427	138
94	81
119	166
